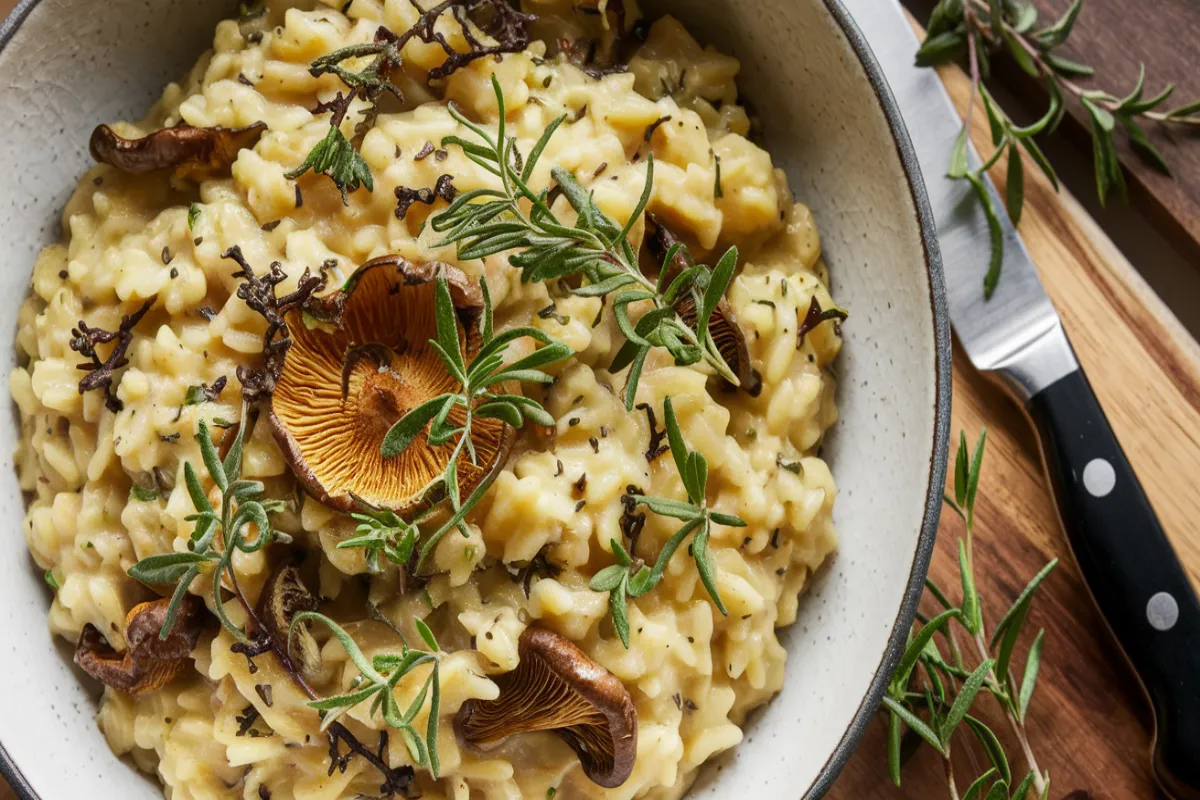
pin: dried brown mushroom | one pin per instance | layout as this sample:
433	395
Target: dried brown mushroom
556	687
723	325
191	152
283	597
148	662
344	384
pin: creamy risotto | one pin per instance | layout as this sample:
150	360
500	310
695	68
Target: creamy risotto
573	590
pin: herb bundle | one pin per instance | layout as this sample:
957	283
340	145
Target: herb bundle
335	156
972	32
241	506
478	397
484	222
377	681
934	690
629	577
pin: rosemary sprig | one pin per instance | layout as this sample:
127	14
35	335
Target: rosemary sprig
377	681
477	397
488	221
630	577
931	695
973	32
241	506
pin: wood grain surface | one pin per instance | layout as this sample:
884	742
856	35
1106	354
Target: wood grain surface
1088	722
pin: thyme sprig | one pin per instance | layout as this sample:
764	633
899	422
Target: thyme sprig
484	222
630	577
480	395
972	32
933	692
376	681
218	533
381	533
337	156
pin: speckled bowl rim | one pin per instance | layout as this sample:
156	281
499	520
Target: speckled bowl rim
937	459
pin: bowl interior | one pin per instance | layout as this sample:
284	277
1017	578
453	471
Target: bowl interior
825	124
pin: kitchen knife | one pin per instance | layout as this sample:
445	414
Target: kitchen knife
1016	338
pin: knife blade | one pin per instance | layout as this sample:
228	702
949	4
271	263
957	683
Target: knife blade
1017	338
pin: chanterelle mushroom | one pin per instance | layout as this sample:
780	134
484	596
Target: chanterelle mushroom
556	687
342	386
148	662
192	152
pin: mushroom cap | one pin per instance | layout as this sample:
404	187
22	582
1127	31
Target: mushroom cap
148	662
341	390
557	687
191	151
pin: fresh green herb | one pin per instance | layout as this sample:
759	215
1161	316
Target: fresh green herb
193	215
550	793
932	692
336	158
51	581
483	222
381	532
972	32
478	399
142	494
377	681
241	506
631	578
195	395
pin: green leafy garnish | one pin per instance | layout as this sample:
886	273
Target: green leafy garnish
193	216
484	222
377	681
478	398
381	533
974	31
241	506
142	494
932	693
336	158
631	578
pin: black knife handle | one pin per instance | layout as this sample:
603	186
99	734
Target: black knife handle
1132	571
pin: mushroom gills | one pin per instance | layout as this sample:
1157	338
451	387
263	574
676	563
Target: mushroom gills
283	597
722	326
557	687
343	386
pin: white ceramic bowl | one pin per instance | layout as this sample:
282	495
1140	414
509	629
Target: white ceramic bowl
830	121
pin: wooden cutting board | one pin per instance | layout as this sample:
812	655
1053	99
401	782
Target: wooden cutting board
1089	723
